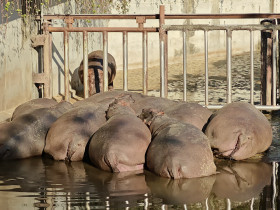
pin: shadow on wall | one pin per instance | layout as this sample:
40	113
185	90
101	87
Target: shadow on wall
75	82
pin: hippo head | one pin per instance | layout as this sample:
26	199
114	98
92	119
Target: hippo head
238	139
148	115
121	105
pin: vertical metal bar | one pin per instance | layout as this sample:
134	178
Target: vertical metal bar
47	67
50	66
229	80
162	70
184	66
166	63
66	66
274	59
228	204
252	204
206	67
105	61
125	60
162	41
85	62
145	62
252	67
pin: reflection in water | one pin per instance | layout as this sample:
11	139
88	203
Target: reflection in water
46	184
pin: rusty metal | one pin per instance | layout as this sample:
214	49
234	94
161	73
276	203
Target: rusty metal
102	29
145	62
105	61
202	27
66	66
140	20
167	16
85	63
125	61
163	29
38	40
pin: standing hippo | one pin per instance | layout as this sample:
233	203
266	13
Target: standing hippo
191	113
239	131
178	150
29	106
95	71
25	135
68	136
121	143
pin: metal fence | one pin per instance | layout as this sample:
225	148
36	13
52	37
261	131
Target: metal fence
162	30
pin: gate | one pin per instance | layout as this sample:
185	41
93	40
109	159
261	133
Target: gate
46	41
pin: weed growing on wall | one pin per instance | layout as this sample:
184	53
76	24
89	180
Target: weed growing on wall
31	8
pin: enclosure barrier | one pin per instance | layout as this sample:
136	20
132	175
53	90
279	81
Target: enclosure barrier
162	30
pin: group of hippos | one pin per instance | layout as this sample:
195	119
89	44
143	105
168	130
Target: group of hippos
120	131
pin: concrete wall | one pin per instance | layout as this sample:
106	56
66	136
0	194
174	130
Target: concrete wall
18	59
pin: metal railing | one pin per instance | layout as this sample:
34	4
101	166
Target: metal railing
162	30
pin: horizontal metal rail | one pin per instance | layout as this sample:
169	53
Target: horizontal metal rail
203	27
167	16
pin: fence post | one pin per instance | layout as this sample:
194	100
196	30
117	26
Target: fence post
267	63
163	54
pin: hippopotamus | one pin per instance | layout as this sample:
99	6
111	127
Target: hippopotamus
192	113
31	105
25	135
140	101
239	131
69	134
95	71
241	181
121	143
178	150
180	191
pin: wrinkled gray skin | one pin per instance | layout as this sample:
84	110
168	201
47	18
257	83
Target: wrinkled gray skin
69	134
242	181
121	143
25	135
180	191
191	113
178	150
239	131
29	106
95	71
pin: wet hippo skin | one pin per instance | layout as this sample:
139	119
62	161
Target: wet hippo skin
70	133
25	135
178	150
121	143
31	105
239	131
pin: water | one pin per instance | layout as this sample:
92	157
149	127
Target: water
40	183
